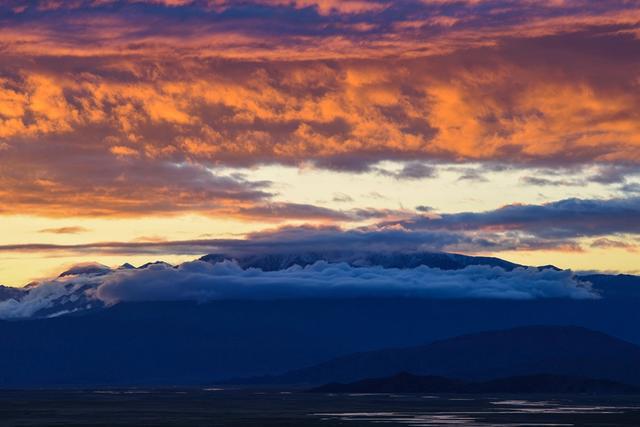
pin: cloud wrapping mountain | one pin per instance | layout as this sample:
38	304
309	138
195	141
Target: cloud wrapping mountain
203	281
51	296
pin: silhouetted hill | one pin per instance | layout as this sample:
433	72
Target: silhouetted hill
87	268
8	292
614	286
441	260
560	350
191	343
539	383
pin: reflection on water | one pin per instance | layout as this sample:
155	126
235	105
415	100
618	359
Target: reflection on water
402	418
222	407
492	413
425	419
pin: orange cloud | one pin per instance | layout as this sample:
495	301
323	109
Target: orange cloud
127	87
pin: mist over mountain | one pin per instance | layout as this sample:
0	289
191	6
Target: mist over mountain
8	292
441	260
287	275
258	316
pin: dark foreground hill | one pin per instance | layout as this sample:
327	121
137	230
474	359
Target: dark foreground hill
188	343
558	350
540	383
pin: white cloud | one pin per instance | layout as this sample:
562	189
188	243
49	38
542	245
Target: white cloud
202	281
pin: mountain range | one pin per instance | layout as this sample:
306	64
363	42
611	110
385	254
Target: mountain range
560	350
441	260
69	337
190	343
79	282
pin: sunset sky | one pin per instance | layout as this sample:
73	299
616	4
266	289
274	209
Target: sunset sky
138	130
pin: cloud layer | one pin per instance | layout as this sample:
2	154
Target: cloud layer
203	281
568	225
126	107
569	218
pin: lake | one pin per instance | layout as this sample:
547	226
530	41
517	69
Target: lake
220	407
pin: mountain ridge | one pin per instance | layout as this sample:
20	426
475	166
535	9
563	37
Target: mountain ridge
564	350
191	343
409	259
80	297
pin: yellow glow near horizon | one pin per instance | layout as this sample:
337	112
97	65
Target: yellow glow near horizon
335	190
216	119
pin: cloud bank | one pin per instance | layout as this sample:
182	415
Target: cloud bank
129	107
203	281
568	218
226	280
568	225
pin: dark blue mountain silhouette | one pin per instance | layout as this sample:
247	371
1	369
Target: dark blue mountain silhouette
614	286
189	343
558	350
441	260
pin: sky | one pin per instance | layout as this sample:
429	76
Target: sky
137	130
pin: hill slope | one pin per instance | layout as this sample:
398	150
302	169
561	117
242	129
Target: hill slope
191	343
530	350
